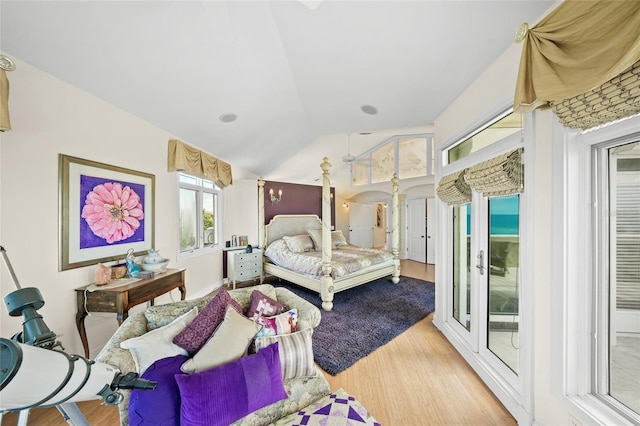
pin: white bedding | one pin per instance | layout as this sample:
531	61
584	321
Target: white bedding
345	259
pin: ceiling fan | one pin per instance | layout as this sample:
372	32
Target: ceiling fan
348	158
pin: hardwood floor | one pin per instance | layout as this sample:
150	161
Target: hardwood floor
416	379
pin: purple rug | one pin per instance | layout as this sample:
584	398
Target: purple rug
364	318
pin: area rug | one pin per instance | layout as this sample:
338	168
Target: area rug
364	318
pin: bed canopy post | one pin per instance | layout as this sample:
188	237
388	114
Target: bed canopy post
395	229
262	227
326	281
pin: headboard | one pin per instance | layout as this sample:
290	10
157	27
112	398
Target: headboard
291	224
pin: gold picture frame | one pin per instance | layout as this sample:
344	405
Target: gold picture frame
104	211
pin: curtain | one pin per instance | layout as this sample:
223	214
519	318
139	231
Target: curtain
578	47
186	158
501	175
453	189
5	123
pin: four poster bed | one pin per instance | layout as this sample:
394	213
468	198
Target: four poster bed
323	260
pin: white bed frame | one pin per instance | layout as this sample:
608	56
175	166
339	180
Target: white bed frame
326	286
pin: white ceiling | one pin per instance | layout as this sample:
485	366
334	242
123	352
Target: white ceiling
292	74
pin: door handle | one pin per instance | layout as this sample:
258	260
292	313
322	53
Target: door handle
480	264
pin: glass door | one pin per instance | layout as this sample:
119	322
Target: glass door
503	295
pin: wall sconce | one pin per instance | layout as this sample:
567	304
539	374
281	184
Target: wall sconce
275	199
345	205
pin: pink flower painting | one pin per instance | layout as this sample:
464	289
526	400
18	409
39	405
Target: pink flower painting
113	211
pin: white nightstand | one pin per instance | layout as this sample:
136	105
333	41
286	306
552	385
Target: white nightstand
243	266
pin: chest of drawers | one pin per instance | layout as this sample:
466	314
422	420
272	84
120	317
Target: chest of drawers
243	266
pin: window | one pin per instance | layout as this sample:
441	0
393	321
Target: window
603	299
199	213
617	360
405	156
483	137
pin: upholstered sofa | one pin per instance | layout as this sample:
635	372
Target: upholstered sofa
301	391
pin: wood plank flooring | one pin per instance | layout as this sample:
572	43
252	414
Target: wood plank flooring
417	379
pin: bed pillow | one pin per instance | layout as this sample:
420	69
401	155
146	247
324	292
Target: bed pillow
338	239
158	343
296	352
222	395
196	334
299	243
262	305
316	236
162	405
285	323
228	343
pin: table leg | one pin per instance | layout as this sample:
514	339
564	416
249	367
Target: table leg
80	316
183	292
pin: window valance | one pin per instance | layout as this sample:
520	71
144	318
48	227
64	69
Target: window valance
502	175
453	189
5	123
183	157
580	47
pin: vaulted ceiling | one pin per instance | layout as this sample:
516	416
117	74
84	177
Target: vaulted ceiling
293	73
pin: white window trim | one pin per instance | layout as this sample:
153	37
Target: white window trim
181	256
573	219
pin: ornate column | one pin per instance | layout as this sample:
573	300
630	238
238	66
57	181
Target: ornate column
395	229
327	281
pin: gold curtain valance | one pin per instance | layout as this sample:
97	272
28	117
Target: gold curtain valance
5	123
453	189
502	175
579	46
186	158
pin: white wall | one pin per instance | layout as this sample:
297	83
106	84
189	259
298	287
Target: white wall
490	94
50	117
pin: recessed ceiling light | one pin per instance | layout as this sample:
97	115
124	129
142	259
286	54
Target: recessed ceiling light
228	118
368	109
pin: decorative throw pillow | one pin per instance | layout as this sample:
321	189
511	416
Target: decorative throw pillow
296	352
262	305
162	405
316	236
222	395
158	343
285	323
228	343
196	334
338	239
299	243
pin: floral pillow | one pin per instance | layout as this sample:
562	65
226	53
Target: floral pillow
262	305
285	323
299	243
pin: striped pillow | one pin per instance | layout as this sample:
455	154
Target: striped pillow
296	352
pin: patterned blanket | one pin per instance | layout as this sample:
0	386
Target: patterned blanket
344	259
337	409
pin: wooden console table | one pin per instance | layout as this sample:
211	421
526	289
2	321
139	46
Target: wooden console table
119	299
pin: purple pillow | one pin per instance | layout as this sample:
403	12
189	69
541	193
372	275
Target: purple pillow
262	305
224	394
160	406
193	337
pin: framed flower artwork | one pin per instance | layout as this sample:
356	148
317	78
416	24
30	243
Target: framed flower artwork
105	210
